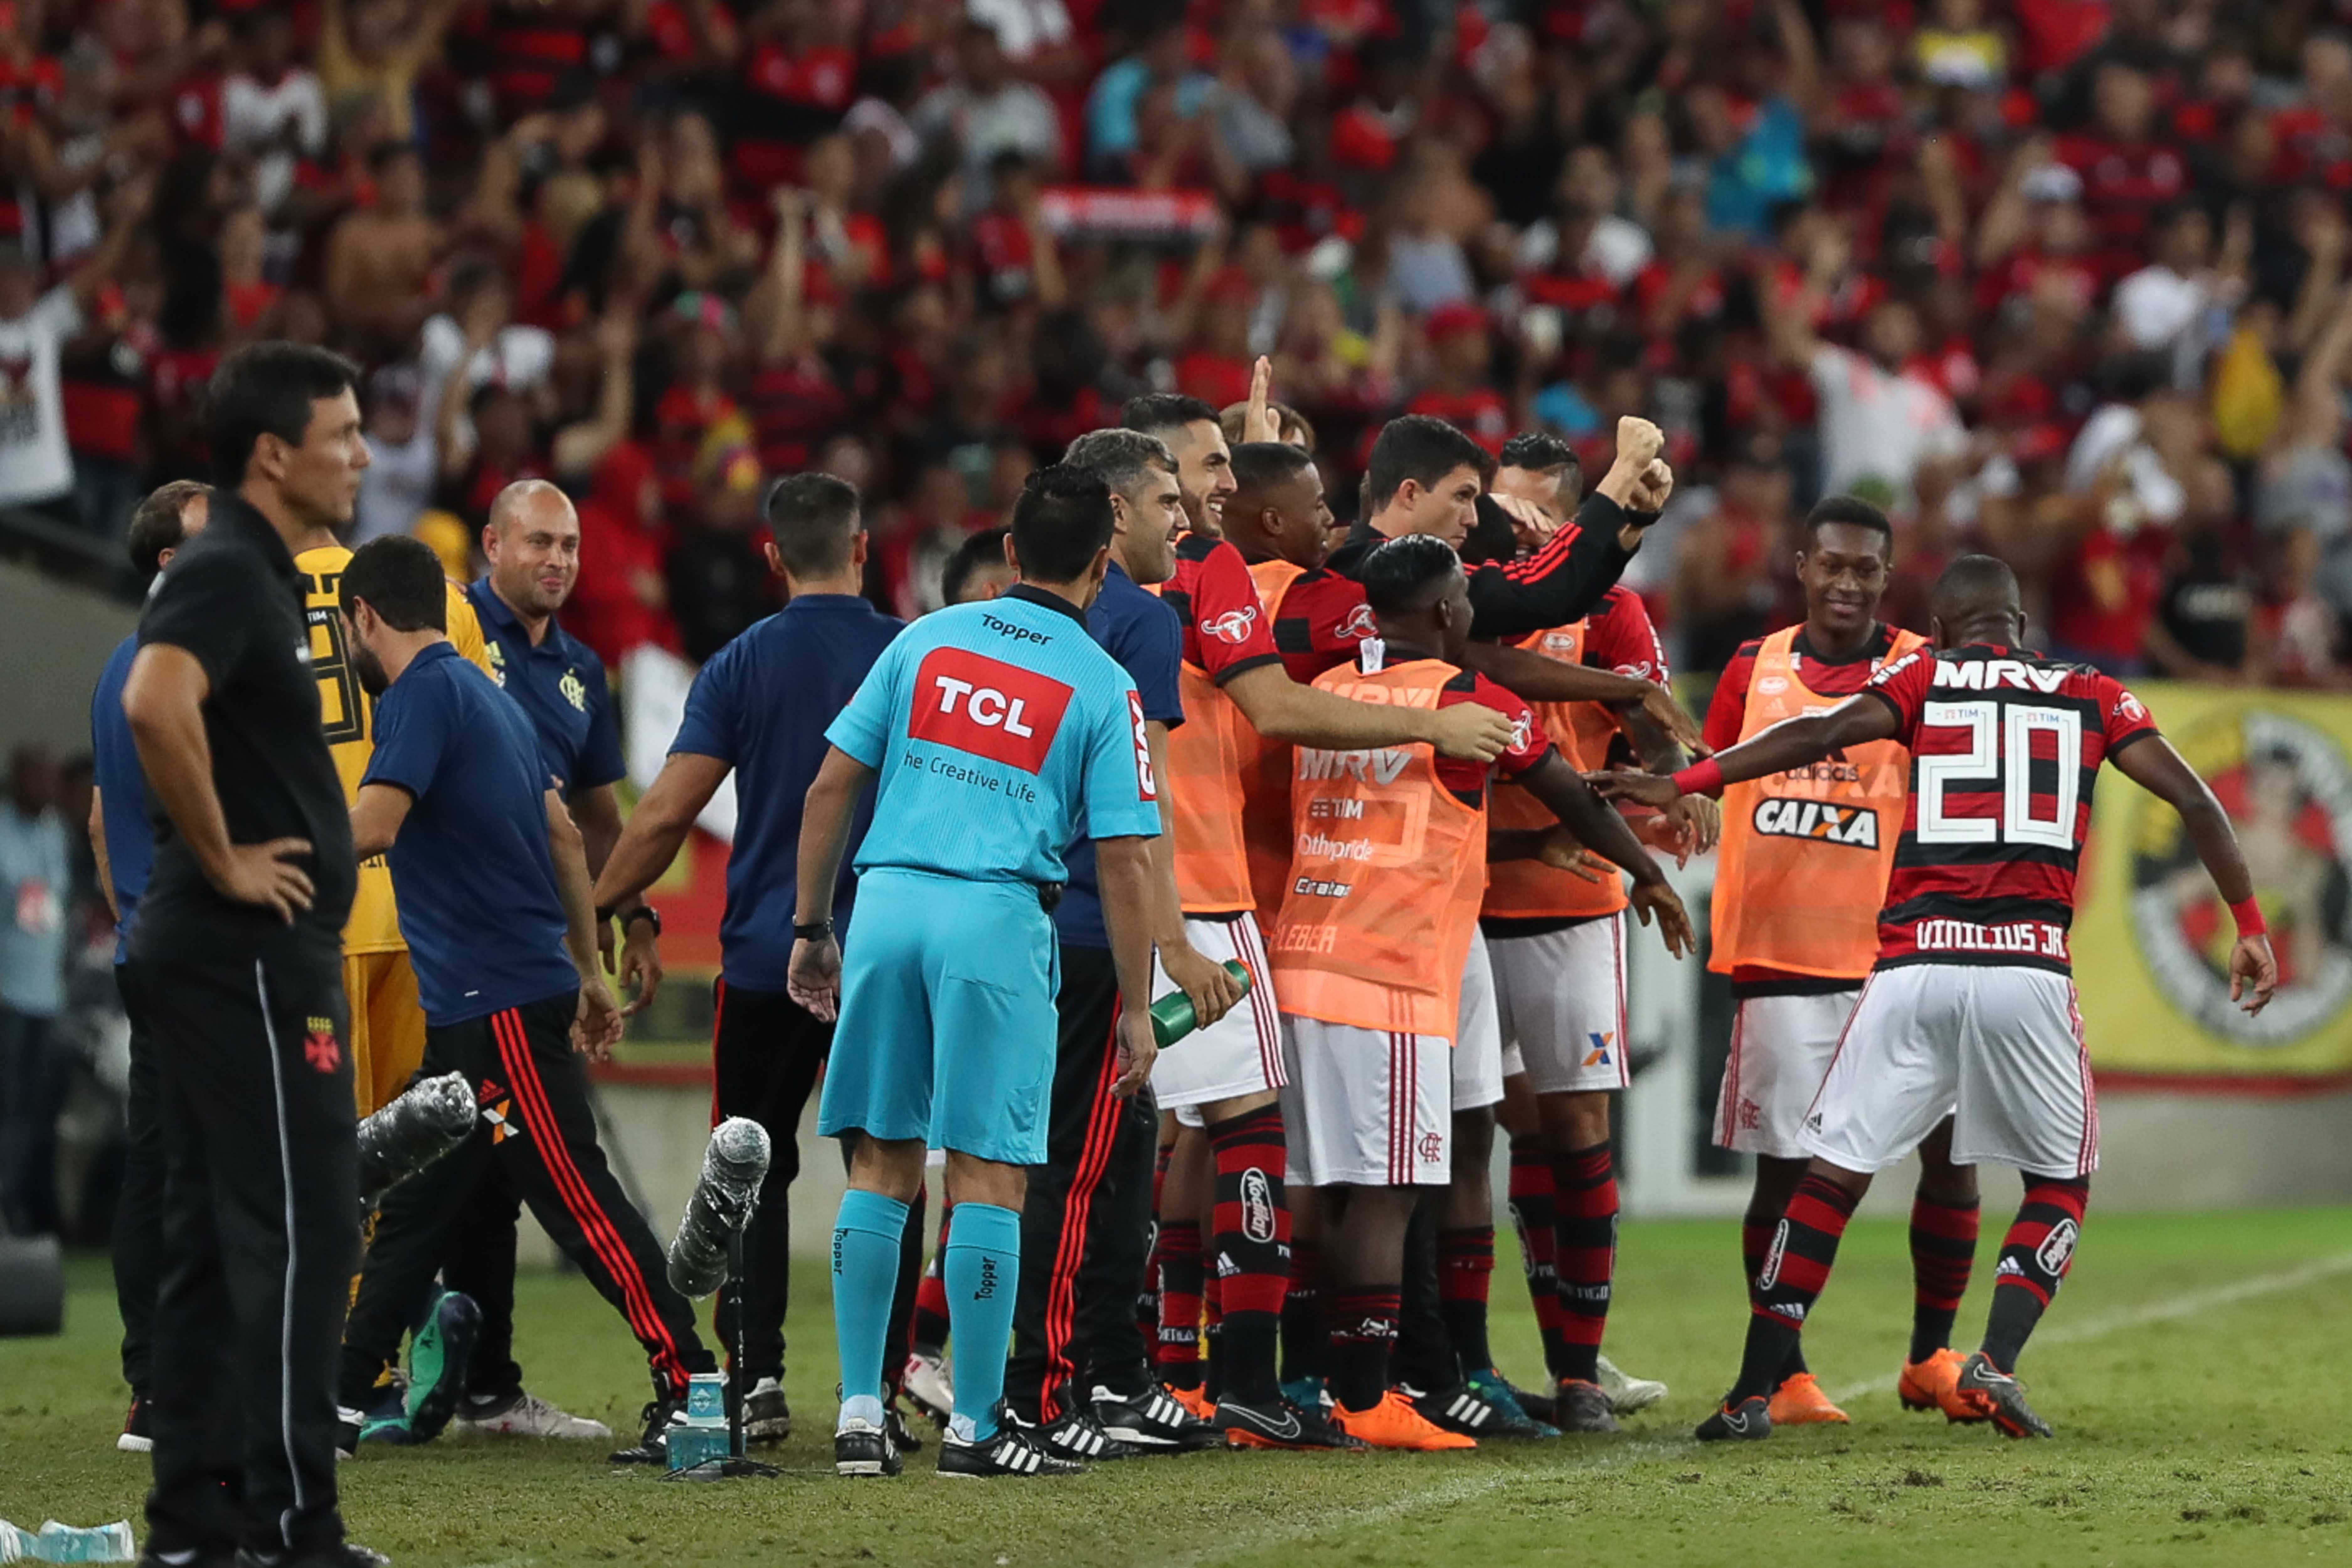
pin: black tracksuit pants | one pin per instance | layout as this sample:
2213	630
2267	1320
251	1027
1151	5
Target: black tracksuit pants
1085	1224
138	1240
538	1133
765	1052
260	1232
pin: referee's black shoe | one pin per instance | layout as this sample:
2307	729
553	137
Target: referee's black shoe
342	1554
661	1414
862	1449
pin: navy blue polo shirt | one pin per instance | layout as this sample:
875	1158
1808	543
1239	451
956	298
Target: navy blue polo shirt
479	905
762	706
1147	638
122	791
561	687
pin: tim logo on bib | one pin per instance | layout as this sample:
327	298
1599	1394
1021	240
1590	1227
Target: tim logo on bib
973	703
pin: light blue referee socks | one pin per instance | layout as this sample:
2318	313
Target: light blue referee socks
983	1274
865	1276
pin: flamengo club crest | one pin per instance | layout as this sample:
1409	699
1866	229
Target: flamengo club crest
2287	787
575	689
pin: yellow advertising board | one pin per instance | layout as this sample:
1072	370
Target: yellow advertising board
2151	935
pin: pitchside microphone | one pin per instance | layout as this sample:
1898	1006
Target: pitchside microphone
413	1132
733	1166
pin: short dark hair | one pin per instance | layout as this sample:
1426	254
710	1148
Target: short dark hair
1422	448
156	527
1121	457
1851	510
1155	412
1258	464
816	520
399	578
1409	573
1061	521
982	550
266	389
1539	452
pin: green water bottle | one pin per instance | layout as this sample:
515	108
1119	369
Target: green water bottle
1171	1015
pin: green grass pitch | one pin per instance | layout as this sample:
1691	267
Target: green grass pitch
2194	1368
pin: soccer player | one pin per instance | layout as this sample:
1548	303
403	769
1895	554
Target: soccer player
993	735
1233	689
494	901
1970	1010
124	848
757	711
238	948
978	569
1371	948
1205	463
1798	889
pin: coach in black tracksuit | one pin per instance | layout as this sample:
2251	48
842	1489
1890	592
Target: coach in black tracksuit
493	902
238	942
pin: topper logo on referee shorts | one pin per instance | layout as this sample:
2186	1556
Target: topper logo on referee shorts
973	703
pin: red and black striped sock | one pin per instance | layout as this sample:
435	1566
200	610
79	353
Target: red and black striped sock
1584	1227
2034	1258
1532	1216
1176	1351
1755	1241
1943	1253
1252	1250
1363	1332
1796	1266
1306	1338
1465	1269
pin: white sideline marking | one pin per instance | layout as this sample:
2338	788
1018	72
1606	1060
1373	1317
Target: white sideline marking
1469	1487
2169	1309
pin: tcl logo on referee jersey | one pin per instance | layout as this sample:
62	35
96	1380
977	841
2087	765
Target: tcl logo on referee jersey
988	708
1147	785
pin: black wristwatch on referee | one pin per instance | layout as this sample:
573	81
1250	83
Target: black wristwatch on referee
814	930
643	912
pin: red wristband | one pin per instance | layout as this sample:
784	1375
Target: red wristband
1702	777
2248	913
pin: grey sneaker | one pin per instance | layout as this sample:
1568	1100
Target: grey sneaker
525	1415
1627	1394
1580	1406
2000	1398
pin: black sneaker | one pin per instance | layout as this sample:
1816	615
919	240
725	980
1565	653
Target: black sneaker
766	1417
902	1437
1152	1422
1455	1409
2000	1398
342	1554
1078	1436
1580	1406
1539	1405
1278	1423
151	1558
136	1438
438	1354
862	1449
660	1415
1750	1420
1009	1452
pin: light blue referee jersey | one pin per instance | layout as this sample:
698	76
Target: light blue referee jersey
999	732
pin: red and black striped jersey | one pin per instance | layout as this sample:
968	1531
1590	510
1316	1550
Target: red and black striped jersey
2005	747
1320	619
1226	629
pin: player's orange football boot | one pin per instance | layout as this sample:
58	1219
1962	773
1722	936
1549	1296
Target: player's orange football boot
1195	1400
1800	1402
1393	1422
1934	1384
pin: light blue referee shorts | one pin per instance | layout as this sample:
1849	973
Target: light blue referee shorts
947	1029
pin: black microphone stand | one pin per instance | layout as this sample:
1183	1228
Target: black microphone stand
735	1467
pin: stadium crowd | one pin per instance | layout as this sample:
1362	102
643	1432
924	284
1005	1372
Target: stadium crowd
2059	279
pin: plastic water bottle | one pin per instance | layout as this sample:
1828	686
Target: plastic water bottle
1171	1015
55	1542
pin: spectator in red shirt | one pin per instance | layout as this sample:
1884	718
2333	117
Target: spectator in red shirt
1457	389
2127	171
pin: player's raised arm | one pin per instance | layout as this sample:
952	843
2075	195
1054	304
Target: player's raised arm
1584	813
2156	767
1791	743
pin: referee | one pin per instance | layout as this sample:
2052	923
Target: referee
759	710
993	734
239	947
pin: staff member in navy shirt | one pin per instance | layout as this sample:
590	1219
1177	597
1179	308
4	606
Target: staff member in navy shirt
760	710
124	846
493	904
